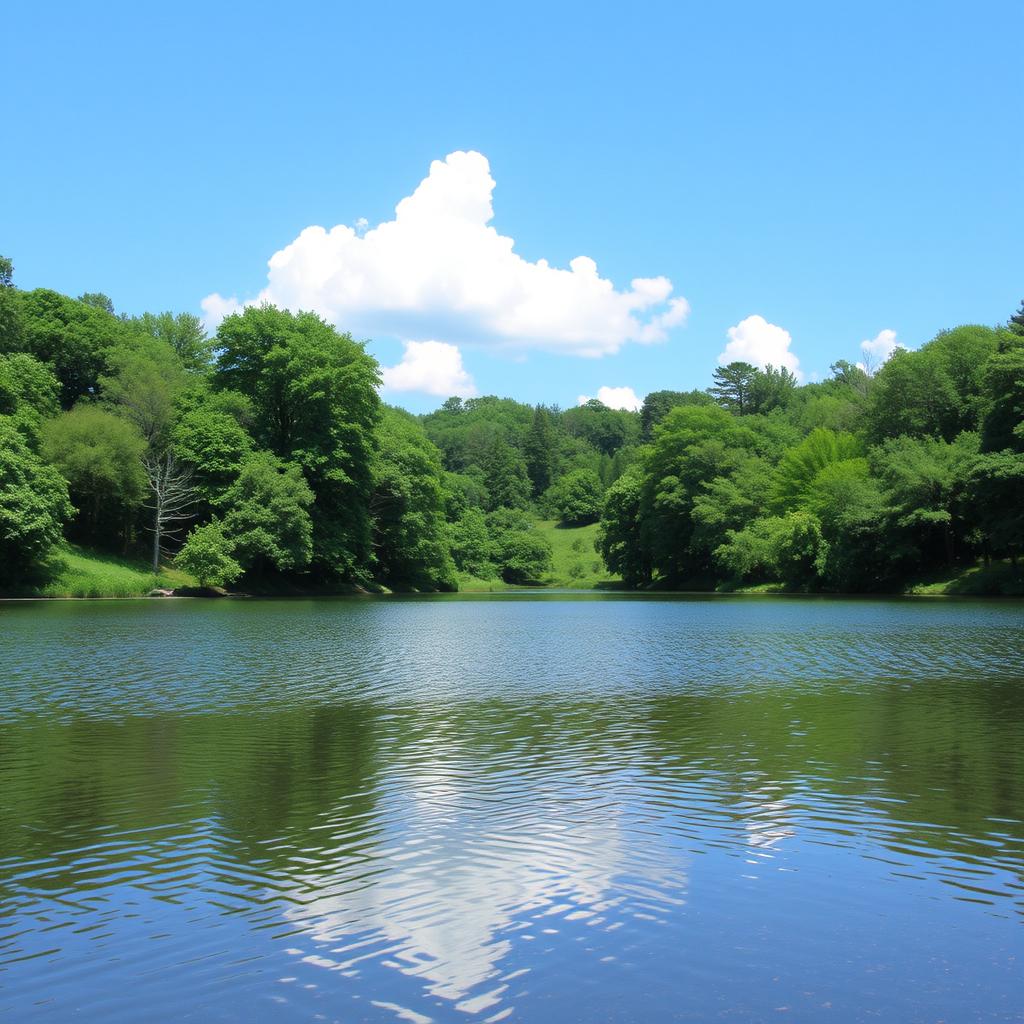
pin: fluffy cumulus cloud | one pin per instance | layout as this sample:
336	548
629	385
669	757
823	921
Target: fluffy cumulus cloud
878	349
440	272
615	398
432	367
756	341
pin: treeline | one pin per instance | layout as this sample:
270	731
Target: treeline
858	483
266	452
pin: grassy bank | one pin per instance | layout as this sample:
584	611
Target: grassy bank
1000	579
79	572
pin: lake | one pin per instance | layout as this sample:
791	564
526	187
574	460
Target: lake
536	808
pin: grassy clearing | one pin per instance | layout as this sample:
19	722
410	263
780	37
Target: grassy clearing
79	572
576	562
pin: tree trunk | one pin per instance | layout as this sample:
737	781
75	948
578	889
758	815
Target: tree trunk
156	541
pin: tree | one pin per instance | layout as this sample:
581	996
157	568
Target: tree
937	390
787	548
11	334
771	388
733	385
1016	323
72	336
28	391
408	507
693	446
172	499
100	456
799	467
520	553
605	429
98	301
577	497
508	485
142	382
1003	398
657	404
539	451
184	333
471	544
215	445
206	554
33	505
923	479
315	404
266	515
996	494
619	535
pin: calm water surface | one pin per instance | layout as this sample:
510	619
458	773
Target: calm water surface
512	808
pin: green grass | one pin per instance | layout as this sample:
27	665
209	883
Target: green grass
999	579
79	572
473	585
576	562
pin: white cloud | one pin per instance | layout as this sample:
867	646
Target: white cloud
433	367
439	271
615	398
215	307
756	341
878	349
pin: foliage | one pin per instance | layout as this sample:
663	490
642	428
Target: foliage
71	336
410	533
100	456
33	505
315	405
266	515
799	467
577	498
207	555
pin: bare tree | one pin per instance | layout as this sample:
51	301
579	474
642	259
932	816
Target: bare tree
170	485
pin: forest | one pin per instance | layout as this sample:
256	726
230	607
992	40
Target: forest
264	456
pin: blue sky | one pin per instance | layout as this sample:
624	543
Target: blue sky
826	172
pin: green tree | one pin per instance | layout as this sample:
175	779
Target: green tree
520	553
733	386
540	452
577	498
799	467
11	334
29	392
606	430
923	479
71	336
619	539
315	404
207	555
33	506
266	515
471	544
657	404
1016	322
508	485
184	333
410	534
215	445
937	390
100	456
1003	398
772	388
694	445
142	382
